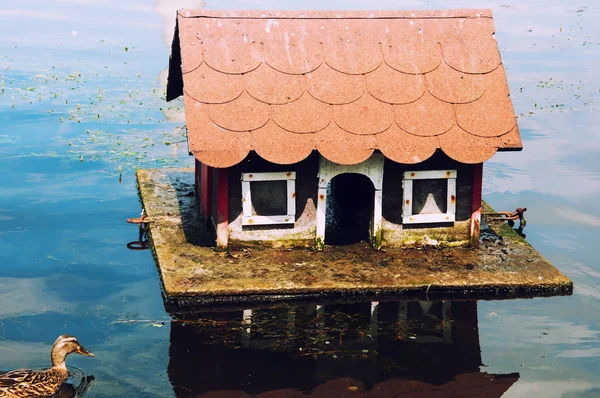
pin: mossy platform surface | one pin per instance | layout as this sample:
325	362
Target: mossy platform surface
193	272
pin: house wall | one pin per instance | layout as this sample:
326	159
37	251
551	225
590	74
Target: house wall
302	232
206	185
397	234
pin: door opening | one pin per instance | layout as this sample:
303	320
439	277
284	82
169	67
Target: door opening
349	209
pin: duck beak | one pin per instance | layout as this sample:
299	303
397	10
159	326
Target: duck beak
85	352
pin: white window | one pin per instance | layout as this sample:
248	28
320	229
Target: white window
267	194
434	192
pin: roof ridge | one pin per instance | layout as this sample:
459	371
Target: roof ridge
469	13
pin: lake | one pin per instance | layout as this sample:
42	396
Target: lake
82	106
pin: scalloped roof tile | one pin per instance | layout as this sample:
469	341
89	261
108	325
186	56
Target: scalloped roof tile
344	83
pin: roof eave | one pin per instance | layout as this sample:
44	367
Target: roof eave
512	149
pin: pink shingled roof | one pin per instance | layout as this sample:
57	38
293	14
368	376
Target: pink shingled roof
343	83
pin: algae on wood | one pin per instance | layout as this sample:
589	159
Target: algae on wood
191	269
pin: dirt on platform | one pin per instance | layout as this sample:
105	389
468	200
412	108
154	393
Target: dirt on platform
504	265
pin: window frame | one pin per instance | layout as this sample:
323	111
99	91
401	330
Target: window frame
249	219
407	187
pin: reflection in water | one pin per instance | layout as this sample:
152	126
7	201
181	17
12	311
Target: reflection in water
68	390
377	348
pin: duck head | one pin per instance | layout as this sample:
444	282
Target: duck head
65	345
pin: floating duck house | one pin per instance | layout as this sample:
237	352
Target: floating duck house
326	127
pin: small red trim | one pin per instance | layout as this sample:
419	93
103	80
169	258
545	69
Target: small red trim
476	205
197	178
223	209
205	196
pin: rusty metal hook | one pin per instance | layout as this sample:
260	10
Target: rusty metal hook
142	242
511	216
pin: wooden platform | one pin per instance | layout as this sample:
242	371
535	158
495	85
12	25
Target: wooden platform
192	272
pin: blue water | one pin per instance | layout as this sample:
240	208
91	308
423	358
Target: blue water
82	108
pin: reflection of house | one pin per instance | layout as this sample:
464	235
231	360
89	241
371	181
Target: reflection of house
322	126
407	346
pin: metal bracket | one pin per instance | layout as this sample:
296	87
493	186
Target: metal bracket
142	242
511	217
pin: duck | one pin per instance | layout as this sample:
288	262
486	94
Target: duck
22	383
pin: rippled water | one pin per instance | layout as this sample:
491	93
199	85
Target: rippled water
81	108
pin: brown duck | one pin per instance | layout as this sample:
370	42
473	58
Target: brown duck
32	383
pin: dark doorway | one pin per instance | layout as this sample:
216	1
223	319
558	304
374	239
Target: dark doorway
349	209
